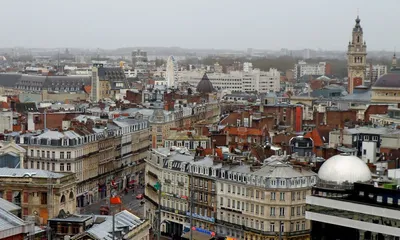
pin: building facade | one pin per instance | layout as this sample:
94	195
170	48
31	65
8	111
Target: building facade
39	193
238	201
303	68
103	156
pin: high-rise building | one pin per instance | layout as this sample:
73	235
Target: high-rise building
171	73
303	68
356	58
373	72
139	57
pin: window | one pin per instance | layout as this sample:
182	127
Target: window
297	226
292	211
298	210
238	205
273	195
364	151
272	227
43	198
42	165
379	199
390	200
48	166
272	211
257	208
282	196
68	155
252	208
304	195
61	167
61	155
48	154
32	164
233	203
221	201
282	227
68	167
303	225
257	194
53	155
222	187
31	153
43	156
53	167
262	210
282	211
229	188
229	202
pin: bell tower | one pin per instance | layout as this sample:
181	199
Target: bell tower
356	58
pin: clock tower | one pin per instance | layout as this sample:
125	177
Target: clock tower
356	58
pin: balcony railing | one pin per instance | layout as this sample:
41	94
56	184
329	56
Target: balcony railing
151	187
172	210
167	181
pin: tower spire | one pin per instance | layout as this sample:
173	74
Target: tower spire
394	59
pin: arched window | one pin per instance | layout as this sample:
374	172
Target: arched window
71	195
62	199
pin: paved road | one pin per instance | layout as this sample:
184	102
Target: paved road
129	202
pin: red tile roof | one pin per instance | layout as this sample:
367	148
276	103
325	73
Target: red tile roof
243	130
316	137
4	105
87	89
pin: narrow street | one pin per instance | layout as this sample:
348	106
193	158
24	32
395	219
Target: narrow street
129	202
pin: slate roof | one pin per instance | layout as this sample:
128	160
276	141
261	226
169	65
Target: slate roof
389	80
19	172
205	85
9	79
67	81
123	219
9	221
8	206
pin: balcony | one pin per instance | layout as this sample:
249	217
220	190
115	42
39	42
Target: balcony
167	181
229	224
172	210
153	175
151	200
151	187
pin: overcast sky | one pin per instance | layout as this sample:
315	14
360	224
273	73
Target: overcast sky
234	24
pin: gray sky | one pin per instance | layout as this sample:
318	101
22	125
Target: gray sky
235	24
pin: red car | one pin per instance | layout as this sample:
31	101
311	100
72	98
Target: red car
139	196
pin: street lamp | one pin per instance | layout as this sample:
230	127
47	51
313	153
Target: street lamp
158	186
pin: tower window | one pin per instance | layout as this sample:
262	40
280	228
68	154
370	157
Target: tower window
358	39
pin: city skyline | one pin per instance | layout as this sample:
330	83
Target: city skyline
201	25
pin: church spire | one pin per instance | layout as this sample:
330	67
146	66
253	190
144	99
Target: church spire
394	60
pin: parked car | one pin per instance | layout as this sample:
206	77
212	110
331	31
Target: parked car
139	196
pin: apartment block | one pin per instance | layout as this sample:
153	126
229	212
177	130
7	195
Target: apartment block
235	199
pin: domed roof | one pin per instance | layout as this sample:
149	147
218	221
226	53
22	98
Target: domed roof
389	80
344	168
205	85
